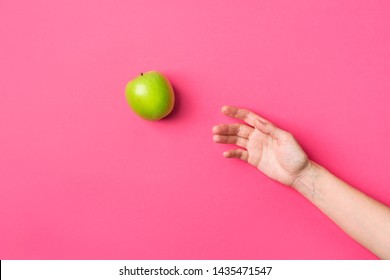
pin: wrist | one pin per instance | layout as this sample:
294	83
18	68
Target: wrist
307	181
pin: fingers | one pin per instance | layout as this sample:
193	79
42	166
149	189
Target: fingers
269	129
241	130
231	139
254	120
232	134
242	114
241	154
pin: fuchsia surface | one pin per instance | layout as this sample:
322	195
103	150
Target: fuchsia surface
82	177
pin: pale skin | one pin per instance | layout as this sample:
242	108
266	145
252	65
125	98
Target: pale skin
278	155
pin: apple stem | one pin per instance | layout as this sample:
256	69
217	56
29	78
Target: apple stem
142	74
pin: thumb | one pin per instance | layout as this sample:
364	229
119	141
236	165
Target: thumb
267	128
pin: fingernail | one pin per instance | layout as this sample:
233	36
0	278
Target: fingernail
224	109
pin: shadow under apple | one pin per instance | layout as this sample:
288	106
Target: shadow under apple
177	110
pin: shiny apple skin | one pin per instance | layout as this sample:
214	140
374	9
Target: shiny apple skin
150	95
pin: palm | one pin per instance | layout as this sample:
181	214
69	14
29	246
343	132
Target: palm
273	151
281	159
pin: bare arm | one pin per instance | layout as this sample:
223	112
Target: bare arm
363	218
277	154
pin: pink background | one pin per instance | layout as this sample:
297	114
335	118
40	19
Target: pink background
82	177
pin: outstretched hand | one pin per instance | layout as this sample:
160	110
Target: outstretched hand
270	149
278	155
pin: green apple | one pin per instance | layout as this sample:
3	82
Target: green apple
150	95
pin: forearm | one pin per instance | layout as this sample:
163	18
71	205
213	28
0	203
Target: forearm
363	218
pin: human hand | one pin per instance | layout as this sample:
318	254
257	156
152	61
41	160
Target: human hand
270	149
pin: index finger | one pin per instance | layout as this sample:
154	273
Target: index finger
243	114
